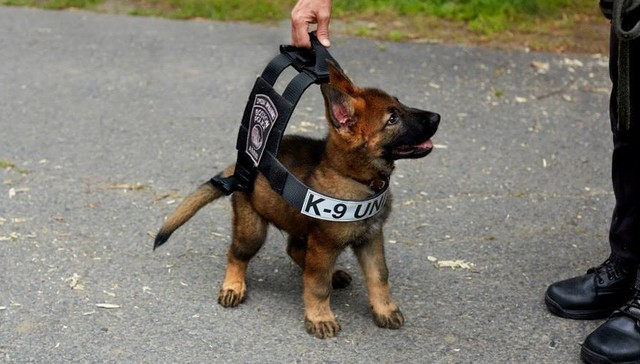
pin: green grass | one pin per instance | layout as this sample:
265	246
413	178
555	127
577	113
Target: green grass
54	4
249	10
481	12
459	9
486	17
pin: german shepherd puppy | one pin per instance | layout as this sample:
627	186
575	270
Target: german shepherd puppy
368	131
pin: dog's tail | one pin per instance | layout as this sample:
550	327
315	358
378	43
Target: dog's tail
202	196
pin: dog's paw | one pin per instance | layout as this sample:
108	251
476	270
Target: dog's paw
393	320
340	279
230	298
322	329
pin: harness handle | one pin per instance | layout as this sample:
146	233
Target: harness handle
312	61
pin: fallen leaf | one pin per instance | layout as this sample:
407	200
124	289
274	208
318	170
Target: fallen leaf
10	166
107	305
74	282
14	191
573	62
124	186
453	264
541	67
12	237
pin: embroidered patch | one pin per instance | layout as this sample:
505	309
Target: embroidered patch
263	117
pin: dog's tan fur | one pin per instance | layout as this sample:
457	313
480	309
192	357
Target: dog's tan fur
368	131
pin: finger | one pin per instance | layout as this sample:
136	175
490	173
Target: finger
299	35
322	32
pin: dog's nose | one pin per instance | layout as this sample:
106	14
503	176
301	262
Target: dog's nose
432	119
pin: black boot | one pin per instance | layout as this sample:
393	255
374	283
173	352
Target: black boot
618	339
594	295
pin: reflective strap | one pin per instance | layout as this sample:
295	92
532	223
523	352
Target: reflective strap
323	207
315	204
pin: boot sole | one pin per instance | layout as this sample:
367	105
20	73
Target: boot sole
590	357
557	310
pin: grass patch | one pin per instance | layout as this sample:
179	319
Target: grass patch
480	15
259	11
550	25
54	4
485	16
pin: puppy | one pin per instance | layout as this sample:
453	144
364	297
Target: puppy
368	130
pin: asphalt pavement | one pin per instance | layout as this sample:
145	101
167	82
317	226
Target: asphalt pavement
107	121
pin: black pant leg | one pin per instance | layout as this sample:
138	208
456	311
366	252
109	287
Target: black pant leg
624	234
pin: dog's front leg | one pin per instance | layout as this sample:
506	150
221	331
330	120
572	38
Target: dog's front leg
318	270
249	233
371	257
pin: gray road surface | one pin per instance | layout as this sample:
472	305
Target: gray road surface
111	120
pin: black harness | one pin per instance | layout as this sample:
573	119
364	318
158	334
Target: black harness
263	124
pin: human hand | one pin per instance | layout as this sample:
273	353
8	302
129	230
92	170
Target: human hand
305	13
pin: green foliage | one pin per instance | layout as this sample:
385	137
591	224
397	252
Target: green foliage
482	15
251	10
395	36
53	4
457	9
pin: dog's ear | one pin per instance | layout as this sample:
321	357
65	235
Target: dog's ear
339	79
339	105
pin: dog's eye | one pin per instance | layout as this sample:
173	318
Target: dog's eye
394	118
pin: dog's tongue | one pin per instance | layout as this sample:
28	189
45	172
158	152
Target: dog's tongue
426	145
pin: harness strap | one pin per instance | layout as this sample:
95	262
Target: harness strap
275	68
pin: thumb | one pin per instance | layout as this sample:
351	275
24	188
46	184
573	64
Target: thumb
322	32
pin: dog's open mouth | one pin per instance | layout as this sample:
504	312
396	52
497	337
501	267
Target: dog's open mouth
413	151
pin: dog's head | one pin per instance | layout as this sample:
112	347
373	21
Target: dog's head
370	118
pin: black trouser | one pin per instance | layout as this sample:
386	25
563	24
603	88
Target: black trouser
624	235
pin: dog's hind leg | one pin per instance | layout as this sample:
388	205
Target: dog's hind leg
371	258
297	249
249	233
